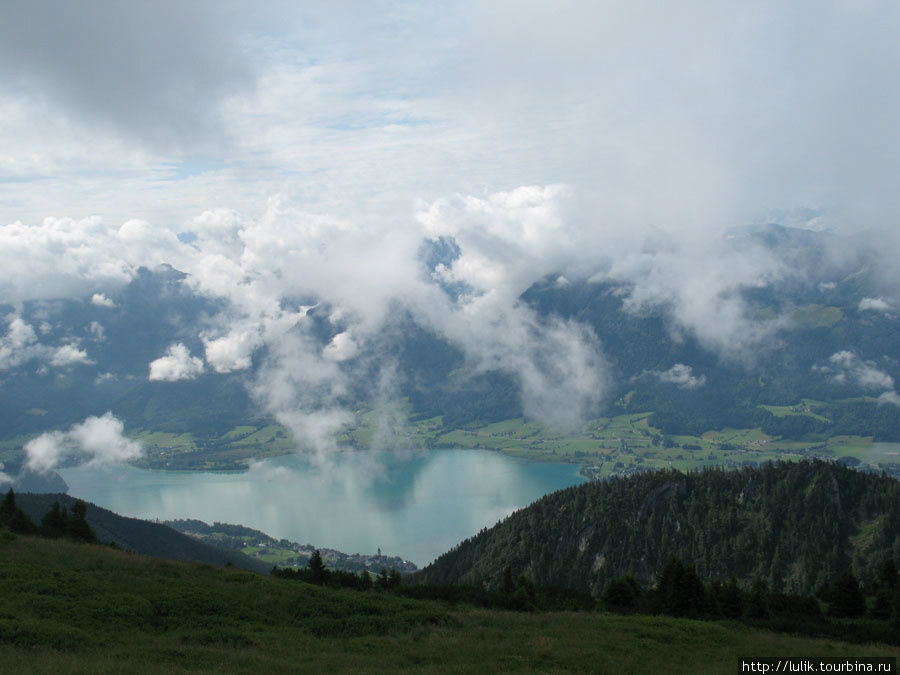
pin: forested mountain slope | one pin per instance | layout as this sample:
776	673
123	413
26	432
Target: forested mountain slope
141	536
796	526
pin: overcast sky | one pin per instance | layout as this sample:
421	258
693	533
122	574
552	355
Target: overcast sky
667	112
312	146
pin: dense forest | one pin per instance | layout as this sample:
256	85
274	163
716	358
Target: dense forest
793	526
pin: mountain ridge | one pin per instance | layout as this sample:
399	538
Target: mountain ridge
796	526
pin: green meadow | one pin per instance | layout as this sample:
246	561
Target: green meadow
75	608
607	446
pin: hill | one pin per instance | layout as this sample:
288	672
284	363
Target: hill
68	607
794	525
283	552
141	536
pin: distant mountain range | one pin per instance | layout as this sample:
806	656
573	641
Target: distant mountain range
833	338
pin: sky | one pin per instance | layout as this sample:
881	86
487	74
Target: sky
310	148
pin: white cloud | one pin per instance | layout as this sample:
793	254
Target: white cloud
69	355
586	140
177	364
889	397
681	375
875	304
96	441
101	300
341	347
845	367
102	439
66	258
45	452
233	351
97	331
19	344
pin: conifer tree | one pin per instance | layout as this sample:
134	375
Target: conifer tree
847	599
317	572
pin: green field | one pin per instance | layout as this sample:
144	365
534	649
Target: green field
76	608
607	446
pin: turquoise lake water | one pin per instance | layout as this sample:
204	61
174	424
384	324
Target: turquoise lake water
415	505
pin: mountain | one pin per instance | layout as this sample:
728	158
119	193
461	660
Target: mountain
824	363
796	526
141	536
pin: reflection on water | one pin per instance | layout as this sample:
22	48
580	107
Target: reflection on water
417	505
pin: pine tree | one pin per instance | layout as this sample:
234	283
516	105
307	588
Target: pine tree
847	600
7	507
77	526
507	587
317	572
55	521
14	517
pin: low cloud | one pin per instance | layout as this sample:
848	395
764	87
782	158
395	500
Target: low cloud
45	452
100	300
889	397
233	351
341	347
681	375
875	304
96	441
845	367
69	258
69	355
177	364
19	344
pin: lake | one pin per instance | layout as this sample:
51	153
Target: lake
415	505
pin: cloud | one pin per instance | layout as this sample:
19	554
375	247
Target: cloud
69	355
19	344
681	375
45	452
233	351
875	304
68	258
303	391
588	140
96	441
105	62
845	367
100	300
97	331
103	378
341	347
101	438
177	364
889	397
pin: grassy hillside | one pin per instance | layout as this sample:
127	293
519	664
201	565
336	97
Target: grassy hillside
68	607
796	526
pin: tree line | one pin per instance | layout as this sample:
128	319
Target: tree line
57	523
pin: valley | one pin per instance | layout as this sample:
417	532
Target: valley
619	445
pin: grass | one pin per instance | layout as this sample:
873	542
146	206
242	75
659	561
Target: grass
74	608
